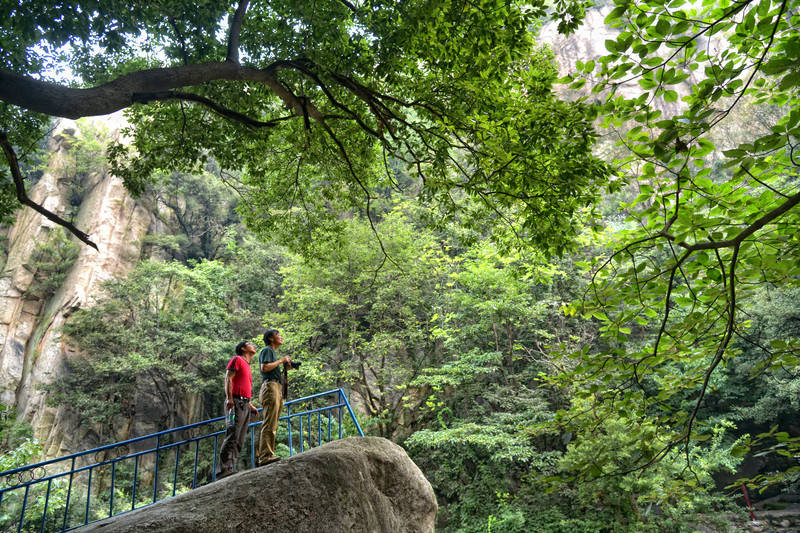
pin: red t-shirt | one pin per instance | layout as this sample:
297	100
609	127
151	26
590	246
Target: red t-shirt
242	380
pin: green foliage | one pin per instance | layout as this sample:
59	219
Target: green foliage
51	261
456	94
613	444
165	331
361	317
24	130
25	452
198	210
715	216
13	432
21	453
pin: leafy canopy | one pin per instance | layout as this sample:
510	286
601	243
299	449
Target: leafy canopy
315	103
715	216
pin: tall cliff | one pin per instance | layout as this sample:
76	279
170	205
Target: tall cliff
32	350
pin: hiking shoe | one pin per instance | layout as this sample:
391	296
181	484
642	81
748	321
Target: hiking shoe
268	461
225	473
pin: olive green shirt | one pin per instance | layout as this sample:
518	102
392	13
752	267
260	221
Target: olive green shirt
267	355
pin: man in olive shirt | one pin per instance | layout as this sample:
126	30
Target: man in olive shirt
271	395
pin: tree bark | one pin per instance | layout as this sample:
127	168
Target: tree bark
59	101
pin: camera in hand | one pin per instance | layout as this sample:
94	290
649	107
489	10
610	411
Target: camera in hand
295	365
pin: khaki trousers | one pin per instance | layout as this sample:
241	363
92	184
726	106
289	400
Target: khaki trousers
271	398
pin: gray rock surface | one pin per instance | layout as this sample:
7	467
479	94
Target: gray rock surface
32	351
359	484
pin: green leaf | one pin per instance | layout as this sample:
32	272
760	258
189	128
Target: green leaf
777	65
662	26
790	80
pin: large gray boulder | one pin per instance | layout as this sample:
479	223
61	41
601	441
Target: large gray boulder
357	484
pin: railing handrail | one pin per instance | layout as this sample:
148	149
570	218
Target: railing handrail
174	430
71	469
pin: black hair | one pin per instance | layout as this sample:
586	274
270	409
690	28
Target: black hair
240	347
268	336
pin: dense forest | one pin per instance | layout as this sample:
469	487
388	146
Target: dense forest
573	300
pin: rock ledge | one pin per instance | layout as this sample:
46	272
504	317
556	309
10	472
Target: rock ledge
358	484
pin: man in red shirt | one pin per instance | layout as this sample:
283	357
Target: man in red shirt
238	391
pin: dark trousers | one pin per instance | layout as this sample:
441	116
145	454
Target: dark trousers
234	436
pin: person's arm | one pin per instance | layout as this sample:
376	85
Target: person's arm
266	367
229	388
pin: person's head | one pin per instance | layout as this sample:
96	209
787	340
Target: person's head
273	338
245	349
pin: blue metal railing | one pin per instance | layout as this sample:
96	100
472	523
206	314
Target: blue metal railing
58	494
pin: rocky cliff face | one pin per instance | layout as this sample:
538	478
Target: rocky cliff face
31	349
589	43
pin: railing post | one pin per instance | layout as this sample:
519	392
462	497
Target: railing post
155	477
24	504
175	474
113	479
252	446
135	482
69	492
289	423
352	414
46	503
300	419
196	456
214	467
88	497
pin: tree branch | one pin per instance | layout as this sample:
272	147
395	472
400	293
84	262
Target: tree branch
60	101
175	27
729	328
223	111
749	230
349	5
22	196
236	30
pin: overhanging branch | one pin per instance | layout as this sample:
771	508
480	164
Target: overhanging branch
214	106
22	196
791	202
60	101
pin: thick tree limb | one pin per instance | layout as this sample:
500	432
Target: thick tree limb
59	101
236	30
22	196
349	5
